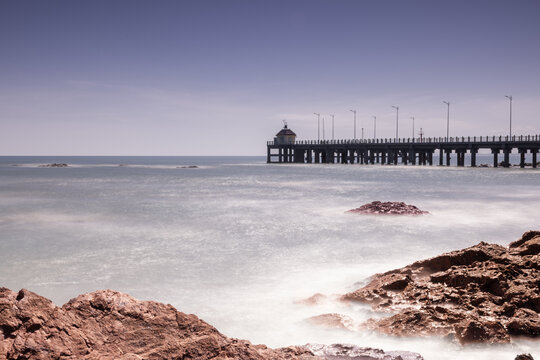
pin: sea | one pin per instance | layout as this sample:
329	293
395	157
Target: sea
240	243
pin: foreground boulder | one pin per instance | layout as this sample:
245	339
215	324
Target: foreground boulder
111	325
486	293
388	208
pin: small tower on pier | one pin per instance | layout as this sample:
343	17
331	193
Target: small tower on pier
285	136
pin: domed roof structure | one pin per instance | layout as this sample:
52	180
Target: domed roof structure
285	131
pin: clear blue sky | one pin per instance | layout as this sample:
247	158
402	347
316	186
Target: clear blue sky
201	77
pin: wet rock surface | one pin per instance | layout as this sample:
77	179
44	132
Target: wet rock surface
111	325
345	351
388	208
483	294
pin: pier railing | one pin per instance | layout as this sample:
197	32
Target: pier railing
423	140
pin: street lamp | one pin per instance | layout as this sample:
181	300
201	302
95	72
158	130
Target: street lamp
318	126
323	137
412	117
447	119
397	121
332	115
354	112
374	127
510	98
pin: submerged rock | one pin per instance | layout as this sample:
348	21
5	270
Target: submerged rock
333	321
486	293
388	208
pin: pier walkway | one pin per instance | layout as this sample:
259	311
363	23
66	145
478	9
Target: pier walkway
405	151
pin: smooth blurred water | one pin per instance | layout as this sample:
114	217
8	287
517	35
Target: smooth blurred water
237	241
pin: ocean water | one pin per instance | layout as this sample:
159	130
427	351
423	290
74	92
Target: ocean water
239	242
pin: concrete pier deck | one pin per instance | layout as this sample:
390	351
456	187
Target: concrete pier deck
406	150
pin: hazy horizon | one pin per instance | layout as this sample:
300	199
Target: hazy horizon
208	78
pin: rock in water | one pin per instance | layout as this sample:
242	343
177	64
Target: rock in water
111	325
345	351
388	208
485	293
55	165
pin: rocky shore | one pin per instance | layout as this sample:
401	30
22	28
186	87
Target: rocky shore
112	325
485	293
388	208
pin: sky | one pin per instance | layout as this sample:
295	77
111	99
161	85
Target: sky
218	77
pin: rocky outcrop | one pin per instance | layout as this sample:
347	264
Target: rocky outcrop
388	208
111	325
485	293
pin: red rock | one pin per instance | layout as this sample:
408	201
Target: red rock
111	325
485	293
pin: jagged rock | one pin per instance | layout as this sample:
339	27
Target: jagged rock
345	351
111	325
524	357
485	293
388	208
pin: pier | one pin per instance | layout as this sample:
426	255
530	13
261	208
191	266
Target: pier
418	151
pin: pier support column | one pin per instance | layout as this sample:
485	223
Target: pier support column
507	157
267	154
412	156
441	156
473	157
372	157
495	153
317	156
378	158
404	157
309	157
383	157
430	158
448	152
323	157
534	151
522	153
280	155
460	157
396	157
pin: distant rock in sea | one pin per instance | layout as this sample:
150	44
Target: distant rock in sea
388	208
486	293
188	167
54	165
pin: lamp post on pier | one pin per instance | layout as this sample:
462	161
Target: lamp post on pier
374	127
412	117
509	97
397	121
354	112
318	126
332	115
447	119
